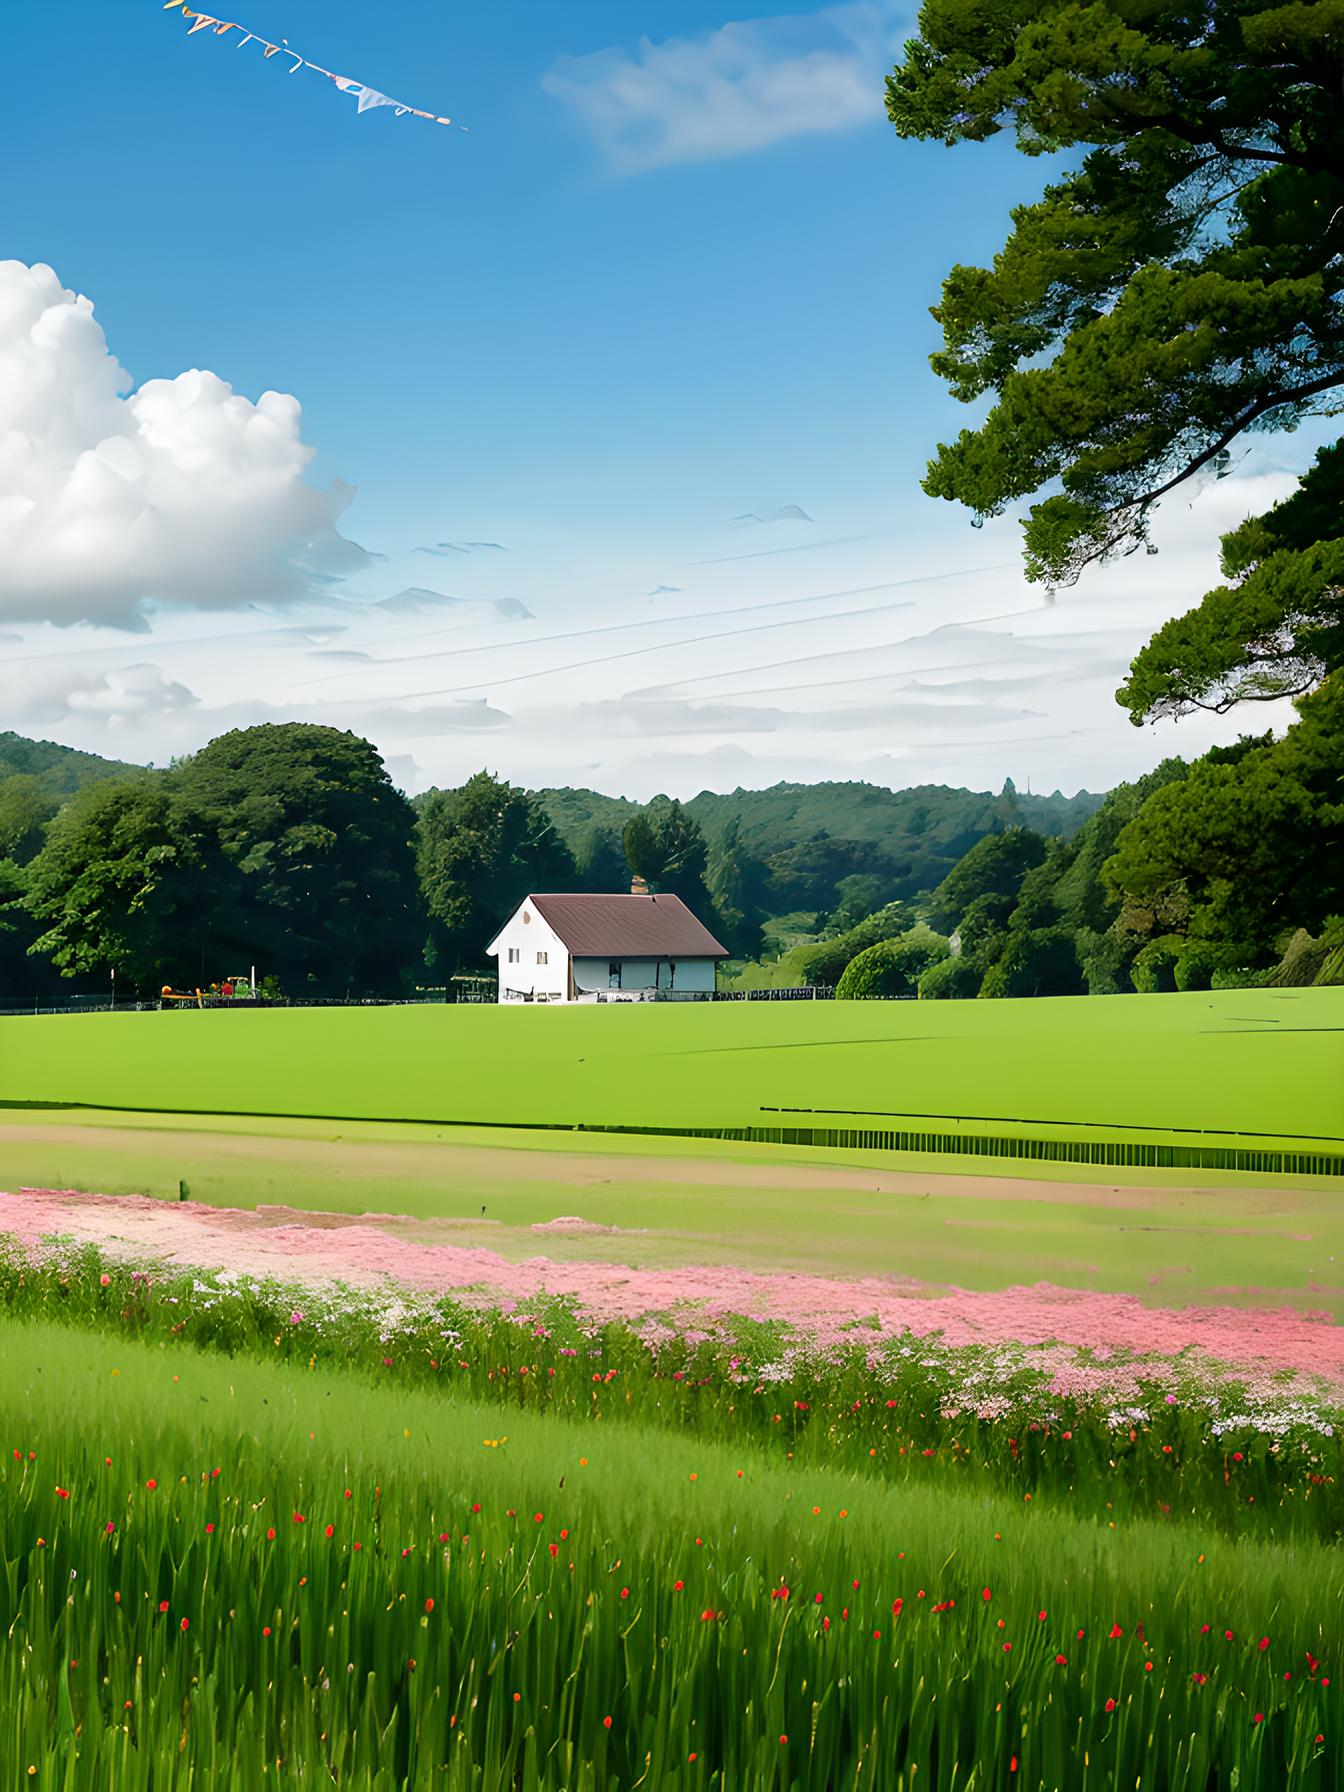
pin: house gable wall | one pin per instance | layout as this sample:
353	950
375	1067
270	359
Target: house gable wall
526	933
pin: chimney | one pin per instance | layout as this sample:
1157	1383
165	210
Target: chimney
639	886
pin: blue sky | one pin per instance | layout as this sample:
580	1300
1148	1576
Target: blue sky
676	272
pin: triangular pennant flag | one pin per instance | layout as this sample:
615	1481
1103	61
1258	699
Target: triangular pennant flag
367	99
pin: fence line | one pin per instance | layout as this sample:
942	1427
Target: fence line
227	1002
1116	1153
477	995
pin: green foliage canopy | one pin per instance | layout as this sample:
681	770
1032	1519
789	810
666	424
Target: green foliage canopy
311	843
481	848
995	866
1248	846
1180	287
26	806
113	886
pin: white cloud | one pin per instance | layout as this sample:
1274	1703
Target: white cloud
46	693
180	491
735	90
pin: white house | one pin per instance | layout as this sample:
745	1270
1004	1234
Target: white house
581	948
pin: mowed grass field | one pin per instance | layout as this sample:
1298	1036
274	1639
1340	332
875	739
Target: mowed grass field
1263	1066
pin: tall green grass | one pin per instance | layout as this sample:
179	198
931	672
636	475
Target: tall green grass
220	1571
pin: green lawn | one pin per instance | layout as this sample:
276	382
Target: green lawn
1262	1064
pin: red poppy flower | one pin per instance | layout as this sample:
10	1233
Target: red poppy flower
1110	1705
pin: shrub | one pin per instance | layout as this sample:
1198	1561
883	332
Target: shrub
1154	970
892	967
1238	977
1042	962
1196	965
951	978
825	963
1105	959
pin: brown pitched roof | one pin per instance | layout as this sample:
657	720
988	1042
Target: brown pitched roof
627	927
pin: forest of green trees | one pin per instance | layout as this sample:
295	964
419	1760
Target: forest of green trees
288	847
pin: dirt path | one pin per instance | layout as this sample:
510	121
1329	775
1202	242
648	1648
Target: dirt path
324	1248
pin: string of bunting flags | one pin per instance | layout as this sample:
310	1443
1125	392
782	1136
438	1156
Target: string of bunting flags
367	97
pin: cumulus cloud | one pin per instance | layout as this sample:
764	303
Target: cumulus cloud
732	91
178	491
46	693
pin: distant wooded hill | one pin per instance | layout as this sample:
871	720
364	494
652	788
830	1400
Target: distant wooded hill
814	837
61	771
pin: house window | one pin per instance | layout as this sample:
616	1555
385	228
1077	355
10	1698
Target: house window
614	974
541	958
515	954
